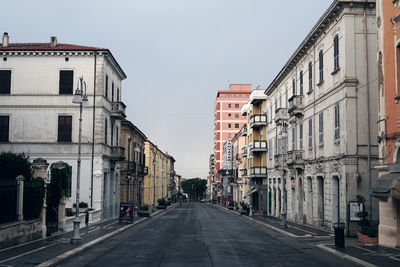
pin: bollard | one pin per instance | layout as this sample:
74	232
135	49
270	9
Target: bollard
339	234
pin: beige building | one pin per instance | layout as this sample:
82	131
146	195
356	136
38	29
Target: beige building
241	181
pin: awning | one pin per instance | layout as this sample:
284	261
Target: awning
387	185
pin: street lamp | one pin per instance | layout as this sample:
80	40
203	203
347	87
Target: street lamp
80	98
128	170
283	136
137	150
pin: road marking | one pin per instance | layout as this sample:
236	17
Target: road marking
94	229
26	253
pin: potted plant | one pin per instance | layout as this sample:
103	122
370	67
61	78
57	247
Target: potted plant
162	203
368	233
83	207
144	211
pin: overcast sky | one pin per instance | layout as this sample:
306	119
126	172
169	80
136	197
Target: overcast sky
176	54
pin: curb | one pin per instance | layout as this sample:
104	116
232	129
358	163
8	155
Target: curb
267	225
65	256
345	256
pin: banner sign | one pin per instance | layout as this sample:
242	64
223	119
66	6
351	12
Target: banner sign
126	212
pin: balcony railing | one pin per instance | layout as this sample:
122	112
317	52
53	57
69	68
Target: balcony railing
117	153
295	157
257	172
281	115
258	120
296	105
244	151
259	146
118	110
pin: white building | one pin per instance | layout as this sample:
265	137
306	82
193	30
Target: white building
38	81
325	99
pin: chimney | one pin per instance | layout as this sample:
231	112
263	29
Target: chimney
4	43
53	41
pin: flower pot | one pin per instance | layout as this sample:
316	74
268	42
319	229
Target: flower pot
366	239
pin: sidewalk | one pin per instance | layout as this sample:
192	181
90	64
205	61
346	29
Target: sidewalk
364	255
56	249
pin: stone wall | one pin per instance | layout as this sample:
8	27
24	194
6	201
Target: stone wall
15	233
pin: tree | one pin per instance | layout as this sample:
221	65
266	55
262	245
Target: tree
13	165
195	187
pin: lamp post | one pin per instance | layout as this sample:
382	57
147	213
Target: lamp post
137	150
128	170
80	98
283	136
154	181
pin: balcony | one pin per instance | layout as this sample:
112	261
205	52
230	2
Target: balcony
243	172
118	110
295	158
281	115
258	121
258	172
243	131
258	146
296	105
117	153
244	152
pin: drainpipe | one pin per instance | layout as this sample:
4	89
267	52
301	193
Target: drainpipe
368	105
93	129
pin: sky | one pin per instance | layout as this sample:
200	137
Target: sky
176	53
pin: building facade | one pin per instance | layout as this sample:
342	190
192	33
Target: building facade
241	181
321	114
133	168
38	118
228	119
387	187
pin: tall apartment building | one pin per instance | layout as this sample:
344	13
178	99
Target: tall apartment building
322	114
228	119
38	117
387	188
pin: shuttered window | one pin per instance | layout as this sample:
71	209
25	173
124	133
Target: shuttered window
336	52
64	128
66	86
310	83
321	66
337	123
310	133
4	128
5	82
301	82
321	129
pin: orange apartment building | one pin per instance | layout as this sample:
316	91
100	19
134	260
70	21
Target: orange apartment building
228	119
387	188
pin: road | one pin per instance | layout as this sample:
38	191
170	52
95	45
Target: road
200	234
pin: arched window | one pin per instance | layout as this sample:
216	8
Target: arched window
336	52
310	83
321	66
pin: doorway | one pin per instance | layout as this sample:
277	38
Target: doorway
320	200
310	200
335	199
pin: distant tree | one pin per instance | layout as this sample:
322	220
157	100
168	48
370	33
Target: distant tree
194	187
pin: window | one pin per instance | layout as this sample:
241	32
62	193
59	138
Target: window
105	131
229	125
106	88
229	115
286	97
112	92
310	76
276	103
336	53
270	149
321	128
337	123
293	87
293	138
117	136
310	133
236	105
280	100
5	82
4	128
301	136
64	128
270	105
229	105
236	125
117	94
236	116
321	66
66	82
301	82
112	133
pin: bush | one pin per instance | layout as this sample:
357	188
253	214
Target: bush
144	207
82	205
13	165
68	212
38	188
162	201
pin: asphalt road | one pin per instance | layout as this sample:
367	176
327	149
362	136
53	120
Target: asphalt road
199	234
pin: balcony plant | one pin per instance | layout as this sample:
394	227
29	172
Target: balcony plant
368	233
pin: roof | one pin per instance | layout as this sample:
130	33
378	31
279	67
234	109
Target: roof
47	46
133	128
